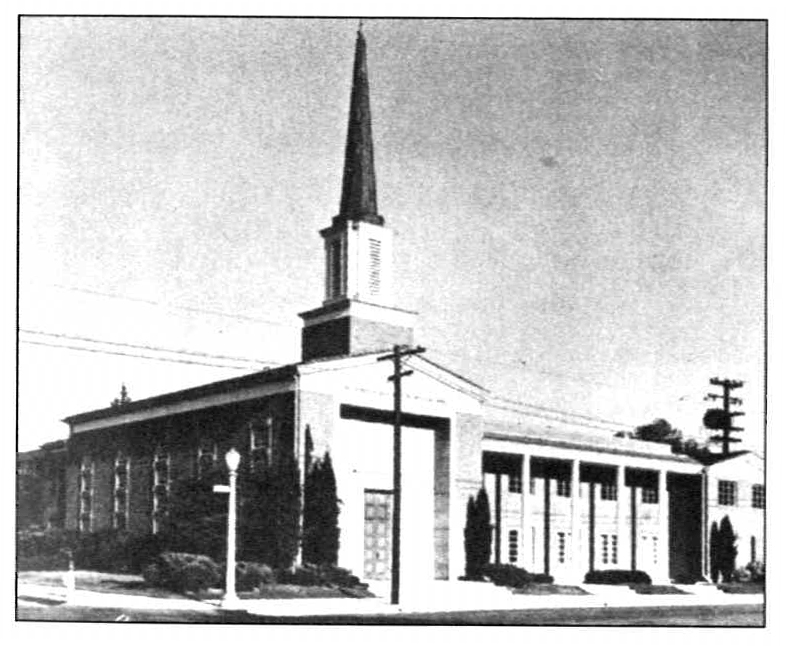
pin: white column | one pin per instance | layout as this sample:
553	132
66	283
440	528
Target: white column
623	535
575	520
525	544
663	527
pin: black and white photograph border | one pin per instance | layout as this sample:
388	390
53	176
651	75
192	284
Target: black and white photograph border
535	285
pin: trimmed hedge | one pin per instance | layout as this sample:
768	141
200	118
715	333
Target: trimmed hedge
511	576
320	575
617	577
182	572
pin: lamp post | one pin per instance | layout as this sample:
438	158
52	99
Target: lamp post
230	595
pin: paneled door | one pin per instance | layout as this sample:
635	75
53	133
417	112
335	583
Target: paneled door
377	530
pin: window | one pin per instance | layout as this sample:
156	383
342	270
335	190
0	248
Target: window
604	548
207	456
335	269
532	486
655	550
514	483
727	492
120	495
614	549
160	486
563	488
513	546
757	496
374	266
86	470
608	491
561	539
261	442
649	495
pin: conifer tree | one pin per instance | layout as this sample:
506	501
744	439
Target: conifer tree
727	549
320	514
477	535
714	552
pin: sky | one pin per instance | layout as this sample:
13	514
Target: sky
578	206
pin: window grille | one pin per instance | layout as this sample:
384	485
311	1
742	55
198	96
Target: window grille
120	494
161	478
513	546
514	483
608	491
649	495
614	549
261	442
563	487
207	456
604	548
561	540
727	492
86	473
757	496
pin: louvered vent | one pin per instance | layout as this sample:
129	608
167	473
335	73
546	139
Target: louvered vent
374	266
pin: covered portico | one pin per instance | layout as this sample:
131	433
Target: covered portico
564	509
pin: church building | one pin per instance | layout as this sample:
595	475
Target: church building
567	494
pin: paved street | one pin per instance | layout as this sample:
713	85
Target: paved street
738	615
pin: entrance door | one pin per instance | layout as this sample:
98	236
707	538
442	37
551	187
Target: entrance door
377	529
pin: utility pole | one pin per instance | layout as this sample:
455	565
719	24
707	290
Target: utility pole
399	351
722	419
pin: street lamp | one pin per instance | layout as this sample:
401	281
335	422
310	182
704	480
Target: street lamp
230	595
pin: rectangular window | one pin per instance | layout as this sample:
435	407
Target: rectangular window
207	456
261	442
532	486
160	487
120	496
614	549
655	550
563	488
86	472
513	546
727	492
604	548
757	496
374	266
649	495
514	483
608	491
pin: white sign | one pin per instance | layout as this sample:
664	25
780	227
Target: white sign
220	488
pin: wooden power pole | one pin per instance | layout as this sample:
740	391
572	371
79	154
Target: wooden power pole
723	419
399	351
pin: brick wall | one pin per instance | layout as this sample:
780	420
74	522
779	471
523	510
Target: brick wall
441	503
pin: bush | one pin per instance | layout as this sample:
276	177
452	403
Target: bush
320	575
513	577
182	572
617	577
250	575
755	570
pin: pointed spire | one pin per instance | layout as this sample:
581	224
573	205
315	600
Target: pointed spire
359	188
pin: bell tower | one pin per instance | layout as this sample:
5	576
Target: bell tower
356	315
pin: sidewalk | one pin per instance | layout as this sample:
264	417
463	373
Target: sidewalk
439	597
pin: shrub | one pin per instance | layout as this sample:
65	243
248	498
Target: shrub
250	575
182	572
320	514
511	576
477	535
756	571
320	575
617	577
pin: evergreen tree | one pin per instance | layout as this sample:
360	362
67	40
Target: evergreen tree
714	552
477	535
320	514
727	549
270	514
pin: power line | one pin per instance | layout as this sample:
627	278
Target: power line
128	354
241	317
147	347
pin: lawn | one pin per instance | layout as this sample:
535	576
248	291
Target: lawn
134	584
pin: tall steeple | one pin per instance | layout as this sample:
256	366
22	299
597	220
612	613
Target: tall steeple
356	316
359	188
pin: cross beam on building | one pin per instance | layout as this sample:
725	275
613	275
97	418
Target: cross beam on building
399	352
727	416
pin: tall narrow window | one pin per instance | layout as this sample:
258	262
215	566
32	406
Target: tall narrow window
563	487
614	549
120	516
532	485
604	548
374	266
207	456
561	546
753	549
160	487
513	546
655	550
757	496
514	482
727	492
261	442
335	269
86	472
